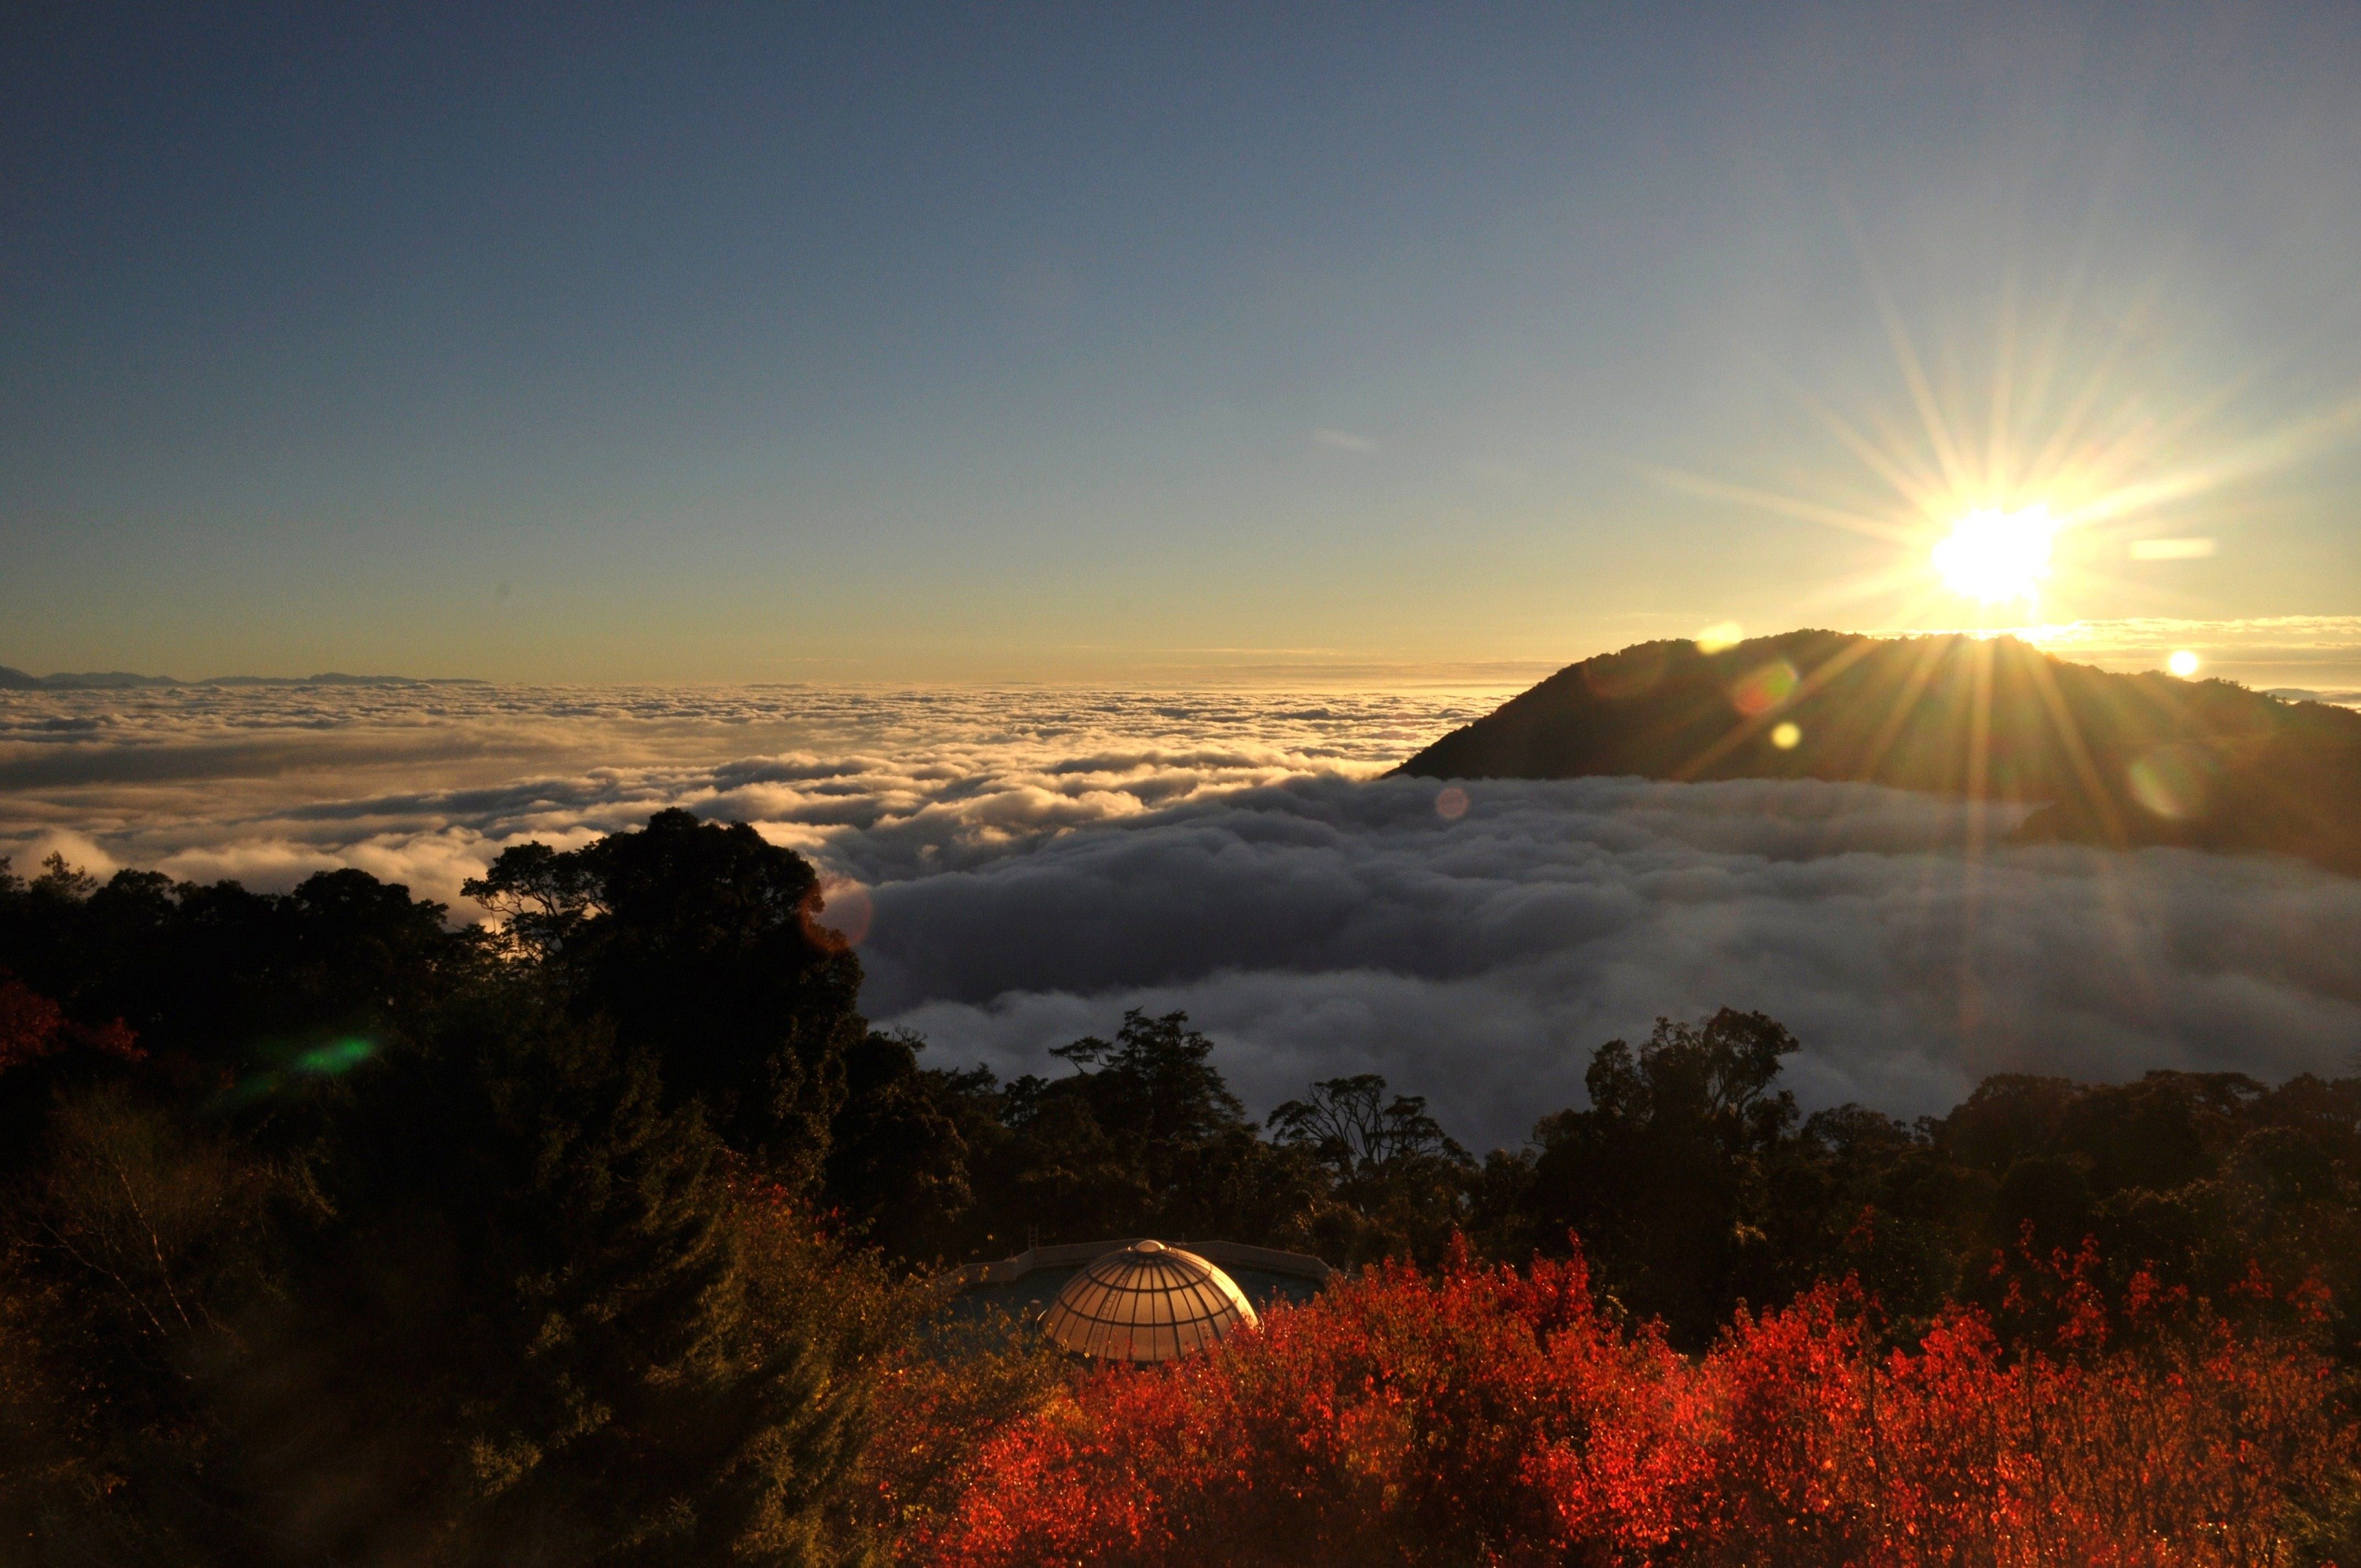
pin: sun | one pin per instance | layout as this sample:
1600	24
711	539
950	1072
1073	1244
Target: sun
1995	556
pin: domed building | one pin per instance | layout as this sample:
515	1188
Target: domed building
1147	1302
1136	1300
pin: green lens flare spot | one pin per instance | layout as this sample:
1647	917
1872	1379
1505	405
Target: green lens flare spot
334	1058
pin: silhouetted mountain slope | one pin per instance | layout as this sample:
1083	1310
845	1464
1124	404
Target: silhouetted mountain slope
107	680
2143	759
11	679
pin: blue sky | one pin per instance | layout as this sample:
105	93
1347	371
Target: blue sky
1130	343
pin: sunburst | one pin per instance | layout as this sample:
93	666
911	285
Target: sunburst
2004	507
2000	509
1997	557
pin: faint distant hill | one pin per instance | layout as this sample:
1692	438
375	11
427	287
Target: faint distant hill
2124	760
120	680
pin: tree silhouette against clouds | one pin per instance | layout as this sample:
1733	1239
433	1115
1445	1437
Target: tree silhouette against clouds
1667	1172
696	941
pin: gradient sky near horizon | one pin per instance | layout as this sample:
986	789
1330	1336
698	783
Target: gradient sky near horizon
715	343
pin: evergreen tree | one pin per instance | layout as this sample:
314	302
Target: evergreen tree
523	1336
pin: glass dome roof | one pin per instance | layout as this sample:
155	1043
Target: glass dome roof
1146	1302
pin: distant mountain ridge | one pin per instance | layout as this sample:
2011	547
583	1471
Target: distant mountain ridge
2111	758
12	679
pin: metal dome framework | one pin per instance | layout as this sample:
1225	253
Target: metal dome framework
1146	1302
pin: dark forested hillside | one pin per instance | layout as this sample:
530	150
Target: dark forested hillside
2111	758
334	1234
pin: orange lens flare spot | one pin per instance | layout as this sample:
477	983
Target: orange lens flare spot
1451	805
837	917
1767	688
1787	736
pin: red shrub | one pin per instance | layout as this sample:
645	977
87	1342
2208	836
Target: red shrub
2183	1448
1489	1416
33	1026
1400	1416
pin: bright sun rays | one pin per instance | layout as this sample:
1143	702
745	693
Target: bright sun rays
1997	557
2031	472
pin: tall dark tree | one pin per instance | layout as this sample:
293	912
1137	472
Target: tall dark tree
511	1323
1665	1175
219	986
898	1162
1143	1138
698	941
1393	1169
222	977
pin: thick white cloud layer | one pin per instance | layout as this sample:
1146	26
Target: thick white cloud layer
1041	860
1324	926
427	785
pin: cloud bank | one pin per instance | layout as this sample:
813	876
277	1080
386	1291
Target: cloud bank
1322	927
1040	861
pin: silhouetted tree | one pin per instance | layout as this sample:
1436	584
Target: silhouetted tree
510	1306
1392	1168
219	985
696	941
897	1163
1665	1175
1143	1136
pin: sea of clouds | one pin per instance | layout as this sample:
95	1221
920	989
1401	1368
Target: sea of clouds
1029	863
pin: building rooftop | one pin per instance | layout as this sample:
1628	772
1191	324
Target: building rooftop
1146	1302
1029	1284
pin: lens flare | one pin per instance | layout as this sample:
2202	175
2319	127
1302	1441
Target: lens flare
1997	557
2172	782
1452	803
838	914
335	1059
1787	736
1764	689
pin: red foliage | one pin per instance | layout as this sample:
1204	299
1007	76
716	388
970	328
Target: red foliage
33	1026
1492	1415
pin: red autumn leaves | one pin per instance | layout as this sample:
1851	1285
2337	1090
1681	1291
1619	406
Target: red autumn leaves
33	1026
1489	1415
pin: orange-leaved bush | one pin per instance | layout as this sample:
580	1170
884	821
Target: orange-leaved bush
33	1026
1488	1415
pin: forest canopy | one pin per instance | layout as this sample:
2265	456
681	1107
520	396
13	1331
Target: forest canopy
340	1232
